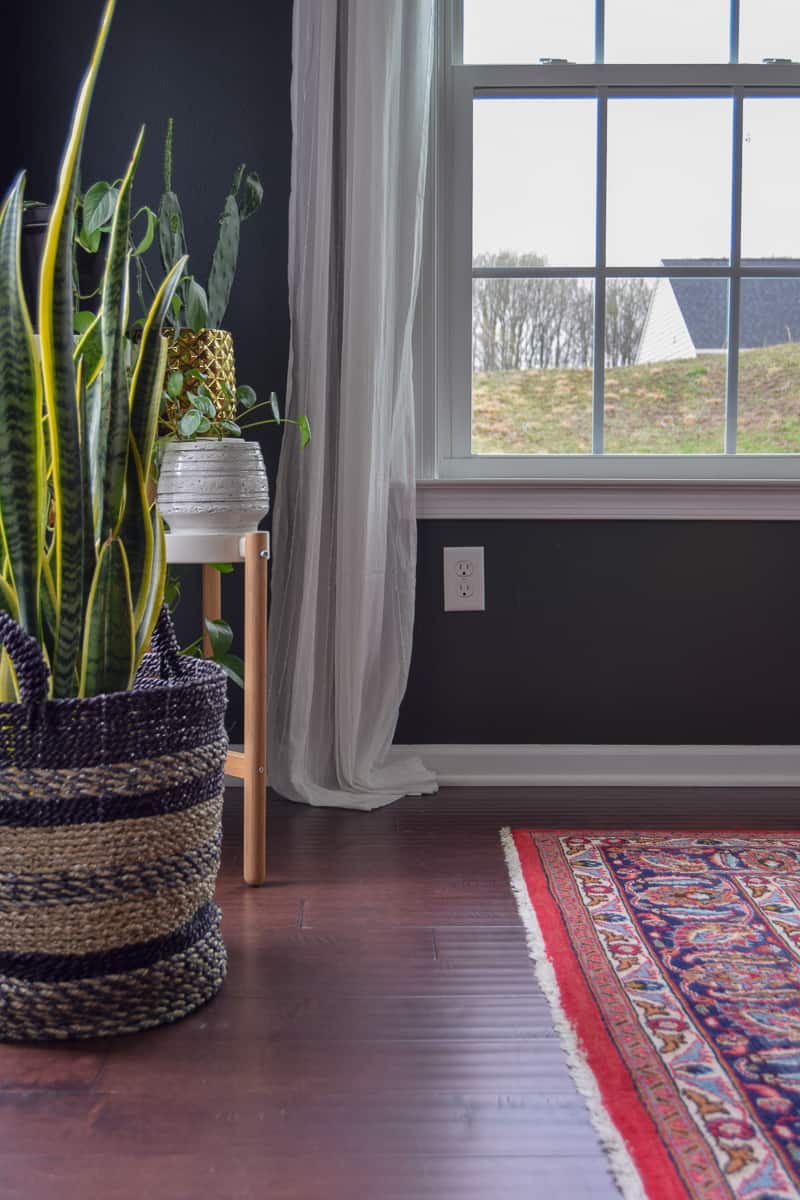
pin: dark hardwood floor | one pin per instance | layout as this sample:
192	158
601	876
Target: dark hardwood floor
380	1033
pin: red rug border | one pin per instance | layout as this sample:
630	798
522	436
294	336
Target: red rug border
620	1098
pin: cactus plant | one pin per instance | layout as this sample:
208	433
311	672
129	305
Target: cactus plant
196	307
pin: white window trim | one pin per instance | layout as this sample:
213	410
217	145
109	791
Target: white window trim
451	482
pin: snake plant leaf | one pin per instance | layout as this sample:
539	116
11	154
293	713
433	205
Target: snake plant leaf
147	381
8	599
22	464
114	417
157	583
107	661
89	347
58	377
136	532
223	263
89	546
252	196
90	452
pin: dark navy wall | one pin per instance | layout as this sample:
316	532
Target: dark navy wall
611	632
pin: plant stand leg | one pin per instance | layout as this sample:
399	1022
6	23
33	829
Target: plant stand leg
212	601
254	771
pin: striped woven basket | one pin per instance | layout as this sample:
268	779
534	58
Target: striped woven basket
110	833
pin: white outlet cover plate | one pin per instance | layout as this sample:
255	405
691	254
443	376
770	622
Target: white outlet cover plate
453	602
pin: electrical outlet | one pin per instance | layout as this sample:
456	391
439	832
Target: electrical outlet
464	589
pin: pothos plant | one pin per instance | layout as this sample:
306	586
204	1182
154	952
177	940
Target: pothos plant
94	218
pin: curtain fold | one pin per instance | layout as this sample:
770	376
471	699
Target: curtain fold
344	529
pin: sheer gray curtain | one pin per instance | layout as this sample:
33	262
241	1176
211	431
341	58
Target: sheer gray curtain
344	529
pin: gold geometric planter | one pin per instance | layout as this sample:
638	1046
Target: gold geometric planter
211	352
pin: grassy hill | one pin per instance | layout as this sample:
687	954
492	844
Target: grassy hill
669	408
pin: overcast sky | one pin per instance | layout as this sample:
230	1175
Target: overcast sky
668	160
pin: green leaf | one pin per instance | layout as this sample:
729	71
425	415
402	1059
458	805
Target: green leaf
22	461
305	431
155	595
107	662
136	533
172	592
90	241
233	666
90	348
223	568
220	635
193	373
196	306
99	204
252	196
148	373
58	376
237	179
231	427
223	263
115	415
83	321
171	238
246	396
204	425
206	406
189	423
149	234
273	403
174	384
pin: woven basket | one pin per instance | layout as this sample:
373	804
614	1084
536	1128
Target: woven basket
110	833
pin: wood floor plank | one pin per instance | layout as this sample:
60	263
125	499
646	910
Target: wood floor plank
253	1175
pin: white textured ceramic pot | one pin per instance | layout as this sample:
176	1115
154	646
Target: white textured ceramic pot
213	485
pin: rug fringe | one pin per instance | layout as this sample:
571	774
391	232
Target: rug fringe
621	1165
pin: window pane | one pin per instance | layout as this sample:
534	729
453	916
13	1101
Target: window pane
770	178
532	366
668	396
517	31
534	179
769	367
769	29
669	180
679	31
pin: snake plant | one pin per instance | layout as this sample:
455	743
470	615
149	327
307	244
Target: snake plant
82	560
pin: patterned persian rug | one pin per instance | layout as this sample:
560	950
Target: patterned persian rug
672	965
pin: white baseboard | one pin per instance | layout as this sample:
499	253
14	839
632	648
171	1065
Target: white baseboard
610	766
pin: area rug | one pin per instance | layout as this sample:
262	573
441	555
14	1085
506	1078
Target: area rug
671	962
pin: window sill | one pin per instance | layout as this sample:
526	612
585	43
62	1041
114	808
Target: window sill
608	500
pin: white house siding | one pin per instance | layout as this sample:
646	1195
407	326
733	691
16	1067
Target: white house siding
665	335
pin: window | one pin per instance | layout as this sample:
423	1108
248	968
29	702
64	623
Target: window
617	241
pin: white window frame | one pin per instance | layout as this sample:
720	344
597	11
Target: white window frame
453	482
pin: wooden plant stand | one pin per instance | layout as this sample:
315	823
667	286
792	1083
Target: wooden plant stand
250	763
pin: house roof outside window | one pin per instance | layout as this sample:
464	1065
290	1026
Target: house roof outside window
687	317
